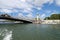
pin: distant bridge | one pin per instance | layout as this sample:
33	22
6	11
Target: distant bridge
15	19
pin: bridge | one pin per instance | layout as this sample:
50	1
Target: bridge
8	17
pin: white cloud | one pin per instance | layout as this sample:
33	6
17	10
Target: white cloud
22	3
25	17
26	5
23	0
14	4
42	16
40	2
6	10
57	2
27	11
47	11
20	15
39	8
51	1
54	12
14	10
29	15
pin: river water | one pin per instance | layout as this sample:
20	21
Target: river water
29	32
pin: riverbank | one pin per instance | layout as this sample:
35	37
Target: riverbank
50	22
33	22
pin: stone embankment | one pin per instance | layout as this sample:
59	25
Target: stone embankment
50	22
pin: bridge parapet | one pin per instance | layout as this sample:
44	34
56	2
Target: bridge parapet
15	19
6	16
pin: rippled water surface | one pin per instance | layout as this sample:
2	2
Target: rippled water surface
29	32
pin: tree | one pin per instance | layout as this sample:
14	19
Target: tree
47	18
53	17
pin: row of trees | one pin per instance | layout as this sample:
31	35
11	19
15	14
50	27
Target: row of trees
53	17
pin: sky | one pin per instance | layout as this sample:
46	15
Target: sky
29	8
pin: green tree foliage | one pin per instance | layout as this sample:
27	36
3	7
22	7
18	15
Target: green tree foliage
53	17
47	18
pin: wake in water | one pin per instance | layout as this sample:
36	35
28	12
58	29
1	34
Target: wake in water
7	35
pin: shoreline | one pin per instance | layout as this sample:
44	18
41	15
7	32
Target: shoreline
38	22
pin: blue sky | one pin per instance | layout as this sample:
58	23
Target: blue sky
29	8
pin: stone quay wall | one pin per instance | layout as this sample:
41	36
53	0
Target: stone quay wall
50	22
